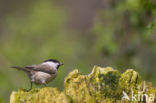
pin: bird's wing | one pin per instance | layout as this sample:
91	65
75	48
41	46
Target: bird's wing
42	68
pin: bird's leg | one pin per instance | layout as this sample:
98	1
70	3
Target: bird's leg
30	86
44	83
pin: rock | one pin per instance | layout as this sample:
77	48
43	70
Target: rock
102	85
44	95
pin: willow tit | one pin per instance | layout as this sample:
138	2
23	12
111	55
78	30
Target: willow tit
41	73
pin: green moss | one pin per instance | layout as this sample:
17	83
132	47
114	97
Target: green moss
105	82
102	85
44	95
76	86
130	80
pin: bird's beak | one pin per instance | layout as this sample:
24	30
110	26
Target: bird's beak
61	63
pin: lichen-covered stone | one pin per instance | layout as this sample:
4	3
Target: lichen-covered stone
77	86
102	85
104	82
44	95
130	79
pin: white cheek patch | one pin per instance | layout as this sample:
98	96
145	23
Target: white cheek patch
54	65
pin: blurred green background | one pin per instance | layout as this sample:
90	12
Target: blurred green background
79	33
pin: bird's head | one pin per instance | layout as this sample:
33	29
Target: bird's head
53	62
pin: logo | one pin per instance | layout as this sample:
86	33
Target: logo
138	97
125	96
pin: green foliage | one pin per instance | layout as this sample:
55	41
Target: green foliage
1	100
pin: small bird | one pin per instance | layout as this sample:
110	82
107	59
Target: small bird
41	73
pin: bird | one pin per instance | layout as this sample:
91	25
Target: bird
41	74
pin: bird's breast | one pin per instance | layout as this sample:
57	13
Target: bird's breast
42	77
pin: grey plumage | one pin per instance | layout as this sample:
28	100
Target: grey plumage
41	73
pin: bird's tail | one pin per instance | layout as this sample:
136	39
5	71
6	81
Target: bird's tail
20	68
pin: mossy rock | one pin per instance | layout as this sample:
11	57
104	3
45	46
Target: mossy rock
44	95
102	85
